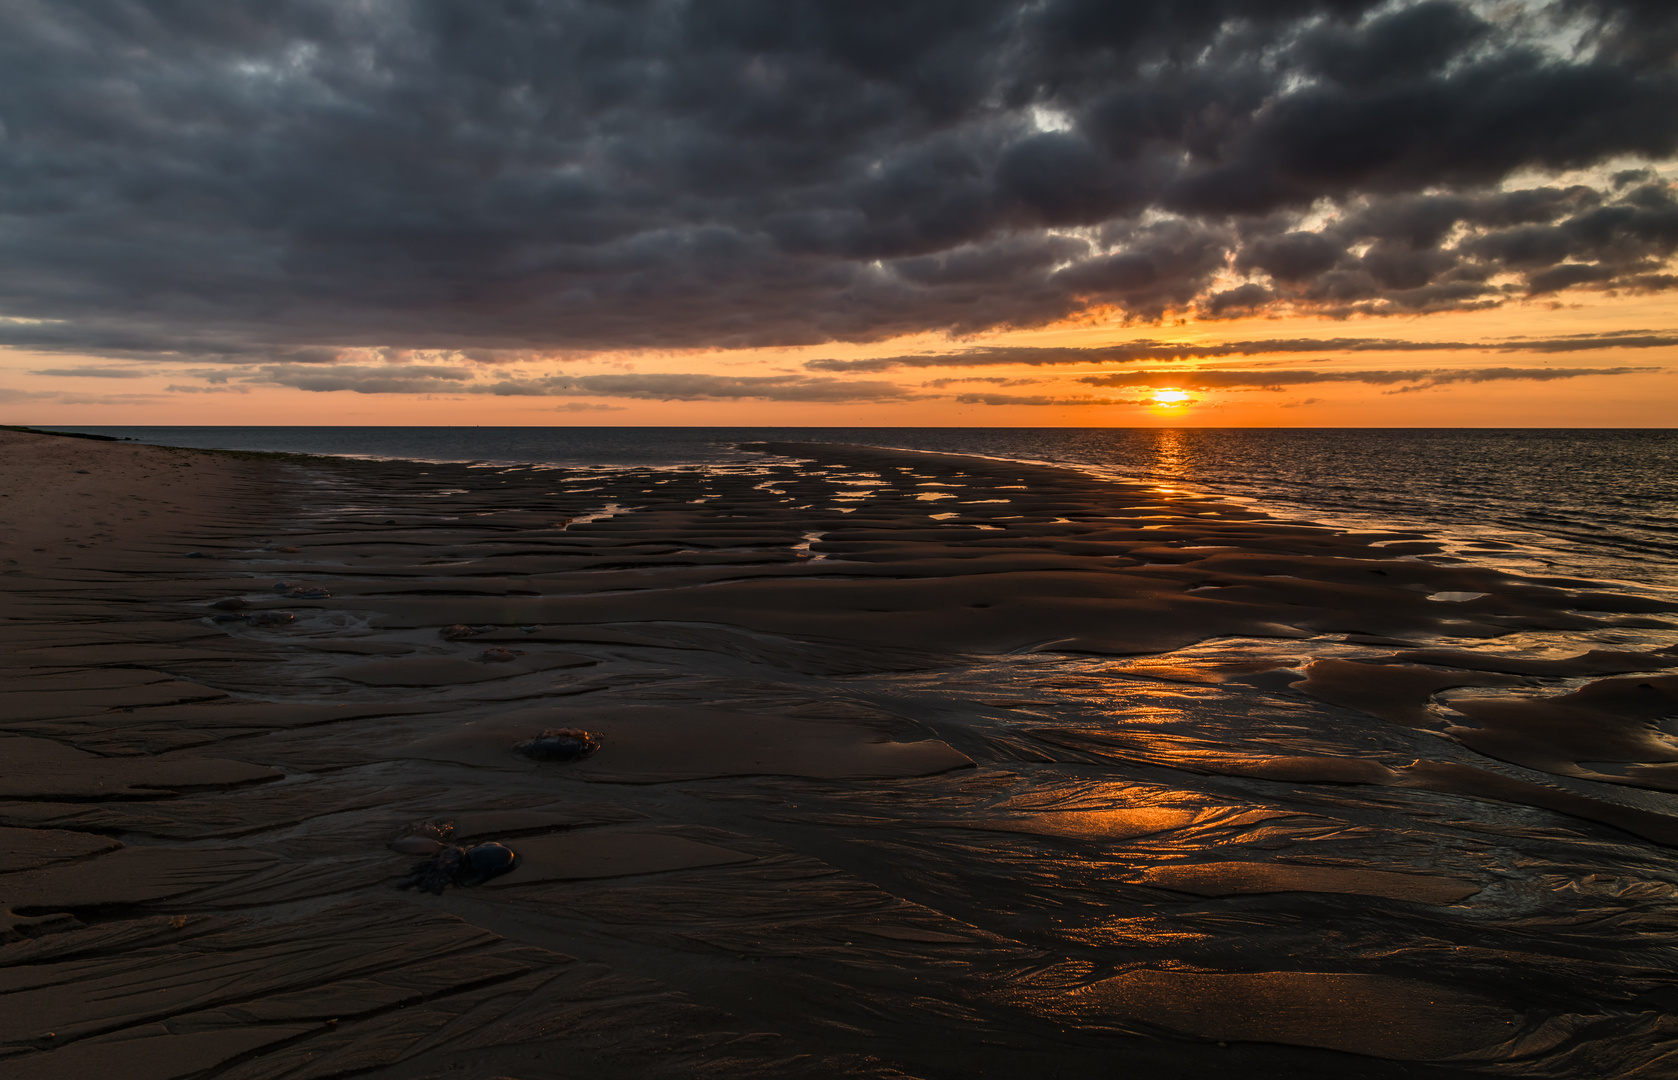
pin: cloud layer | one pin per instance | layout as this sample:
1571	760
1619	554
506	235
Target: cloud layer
1408	380
804	388
1142	349
276	183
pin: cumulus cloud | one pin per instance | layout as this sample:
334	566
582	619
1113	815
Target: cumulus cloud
1411	253
287	183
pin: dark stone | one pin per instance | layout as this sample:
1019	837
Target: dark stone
460	866
559	744
484	862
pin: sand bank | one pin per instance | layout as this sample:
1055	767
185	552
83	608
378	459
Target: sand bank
910	765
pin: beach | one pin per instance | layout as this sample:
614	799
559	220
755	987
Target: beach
909	764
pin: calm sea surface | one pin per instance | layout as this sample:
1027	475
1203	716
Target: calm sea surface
1592	502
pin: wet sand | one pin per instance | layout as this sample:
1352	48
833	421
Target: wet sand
911	765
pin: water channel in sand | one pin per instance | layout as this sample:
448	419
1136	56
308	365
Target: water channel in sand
1051	772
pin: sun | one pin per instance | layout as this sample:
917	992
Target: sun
1170	397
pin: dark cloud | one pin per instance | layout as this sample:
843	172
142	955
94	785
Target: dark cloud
187	389
420	379
701	387
684	386
1050	399
992	380
92	372
1628	339
1275	379
63	397
1480	375
1241	300
293	183
1417	253
414	379
1144	349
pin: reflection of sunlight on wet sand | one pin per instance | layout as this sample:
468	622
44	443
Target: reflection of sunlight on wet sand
1252	878
1113	824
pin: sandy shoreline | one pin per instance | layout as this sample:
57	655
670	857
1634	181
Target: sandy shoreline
912	765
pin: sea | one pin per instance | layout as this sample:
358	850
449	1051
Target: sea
1584	502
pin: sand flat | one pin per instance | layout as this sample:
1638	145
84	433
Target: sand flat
607	853
1246	879
451	670
41	768
131	875
1363	1014
870	779
27	849
649	744
160	1056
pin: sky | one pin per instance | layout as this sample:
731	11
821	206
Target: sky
781	212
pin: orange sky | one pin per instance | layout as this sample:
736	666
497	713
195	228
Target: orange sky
163	394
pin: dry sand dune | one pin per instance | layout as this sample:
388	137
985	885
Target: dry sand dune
910	765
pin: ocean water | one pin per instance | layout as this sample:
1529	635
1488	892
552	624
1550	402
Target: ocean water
1594	503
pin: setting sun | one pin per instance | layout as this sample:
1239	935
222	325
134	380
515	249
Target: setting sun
1170	397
